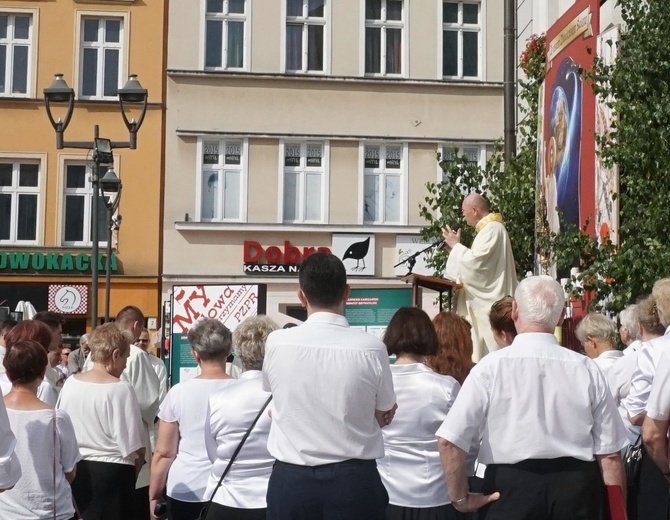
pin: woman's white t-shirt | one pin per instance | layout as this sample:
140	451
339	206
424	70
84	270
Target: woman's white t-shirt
106	419
33	495
186	403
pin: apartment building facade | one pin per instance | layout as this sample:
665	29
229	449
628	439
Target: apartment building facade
302	125
46	193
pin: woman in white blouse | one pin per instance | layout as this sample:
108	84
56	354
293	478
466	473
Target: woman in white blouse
410	469
35	331
180	465
46	445
242	492
108	425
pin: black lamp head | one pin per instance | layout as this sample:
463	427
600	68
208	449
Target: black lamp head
58	91
132	91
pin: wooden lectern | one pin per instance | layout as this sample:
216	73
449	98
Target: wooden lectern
430	282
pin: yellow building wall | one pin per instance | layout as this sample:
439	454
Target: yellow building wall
26	129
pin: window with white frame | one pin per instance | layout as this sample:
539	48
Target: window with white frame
383	170
304	179
305	33
225	30
77	207
15	41
384	25
461	39
222	180
19	201
101	57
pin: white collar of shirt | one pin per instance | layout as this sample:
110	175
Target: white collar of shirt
328	317
611	354
632	347
250	374
532	339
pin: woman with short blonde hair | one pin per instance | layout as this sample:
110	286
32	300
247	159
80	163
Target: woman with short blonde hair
108	425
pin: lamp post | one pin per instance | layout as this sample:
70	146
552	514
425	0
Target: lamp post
110	186
131	94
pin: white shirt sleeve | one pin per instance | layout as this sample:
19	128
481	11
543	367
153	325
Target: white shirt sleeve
167	412
142	377
640	383
468	413
10	469
69	451
47	393
385	394
658	406
608	433
127	421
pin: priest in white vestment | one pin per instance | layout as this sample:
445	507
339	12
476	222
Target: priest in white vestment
486	269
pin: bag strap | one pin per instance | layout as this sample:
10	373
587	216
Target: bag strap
54	462
235	453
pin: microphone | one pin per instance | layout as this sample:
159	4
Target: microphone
455	227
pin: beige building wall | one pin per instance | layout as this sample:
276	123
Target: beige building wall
263	107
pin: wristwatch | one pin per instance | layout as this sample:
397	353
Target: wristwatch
460	501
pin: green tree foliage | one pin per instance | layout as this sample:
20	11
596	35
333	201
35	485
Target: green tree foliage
511	190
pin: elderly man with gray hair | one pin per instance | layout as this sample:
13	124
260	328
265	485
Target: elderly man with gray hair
549	429
597	334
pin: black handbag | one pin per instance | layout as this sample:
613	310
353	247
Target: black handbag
205	510
632	461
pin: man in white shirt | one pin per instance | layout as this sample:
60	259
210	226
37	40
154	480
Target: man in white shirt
597	334
486	269
55	322
332	392
544	416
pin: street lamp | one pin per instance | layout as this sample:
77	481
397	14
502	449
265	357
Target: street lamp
131	94
111	187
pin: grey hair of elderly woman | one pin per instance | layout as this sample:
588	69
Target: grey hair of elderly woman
211	339
596	326
249	340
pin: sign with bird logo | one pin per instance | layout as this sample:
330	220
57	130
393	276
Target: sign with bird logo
357	252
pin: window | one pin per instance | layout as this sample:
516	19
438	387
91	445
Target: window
15	40
304	181
383	183
78	195
101	58
225	30
383	37
222	180
476	155
461	39
19	198
305	28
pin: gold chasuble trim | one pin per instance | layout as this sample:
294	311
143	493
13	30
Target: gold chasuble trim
491	217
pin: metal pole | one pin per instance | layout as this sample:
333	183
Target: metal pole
95	183
108	266
509	84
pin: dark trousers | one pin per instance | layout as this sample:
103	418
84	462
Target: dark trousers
104	490
544	489
178	510
349	490
219	512
649	499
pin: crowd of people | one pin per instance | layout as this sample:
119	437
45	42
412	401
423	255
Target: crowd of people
320	425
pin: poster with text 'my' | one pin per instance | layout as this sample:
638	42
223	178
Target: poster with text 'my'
230	304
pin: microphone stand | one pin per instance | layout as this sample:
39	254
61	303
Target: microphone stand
411	260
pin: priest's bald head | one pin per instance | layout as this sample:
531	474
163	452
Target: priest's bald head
475	207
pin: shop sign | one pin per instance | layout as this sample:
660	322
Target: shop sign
274	260
24	262
68	299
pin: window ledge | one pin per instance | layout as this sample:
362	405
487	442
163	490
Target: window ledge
296	228
456	83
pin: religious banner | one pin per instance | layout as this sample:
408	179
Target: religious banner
607	177
569	116
230	304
